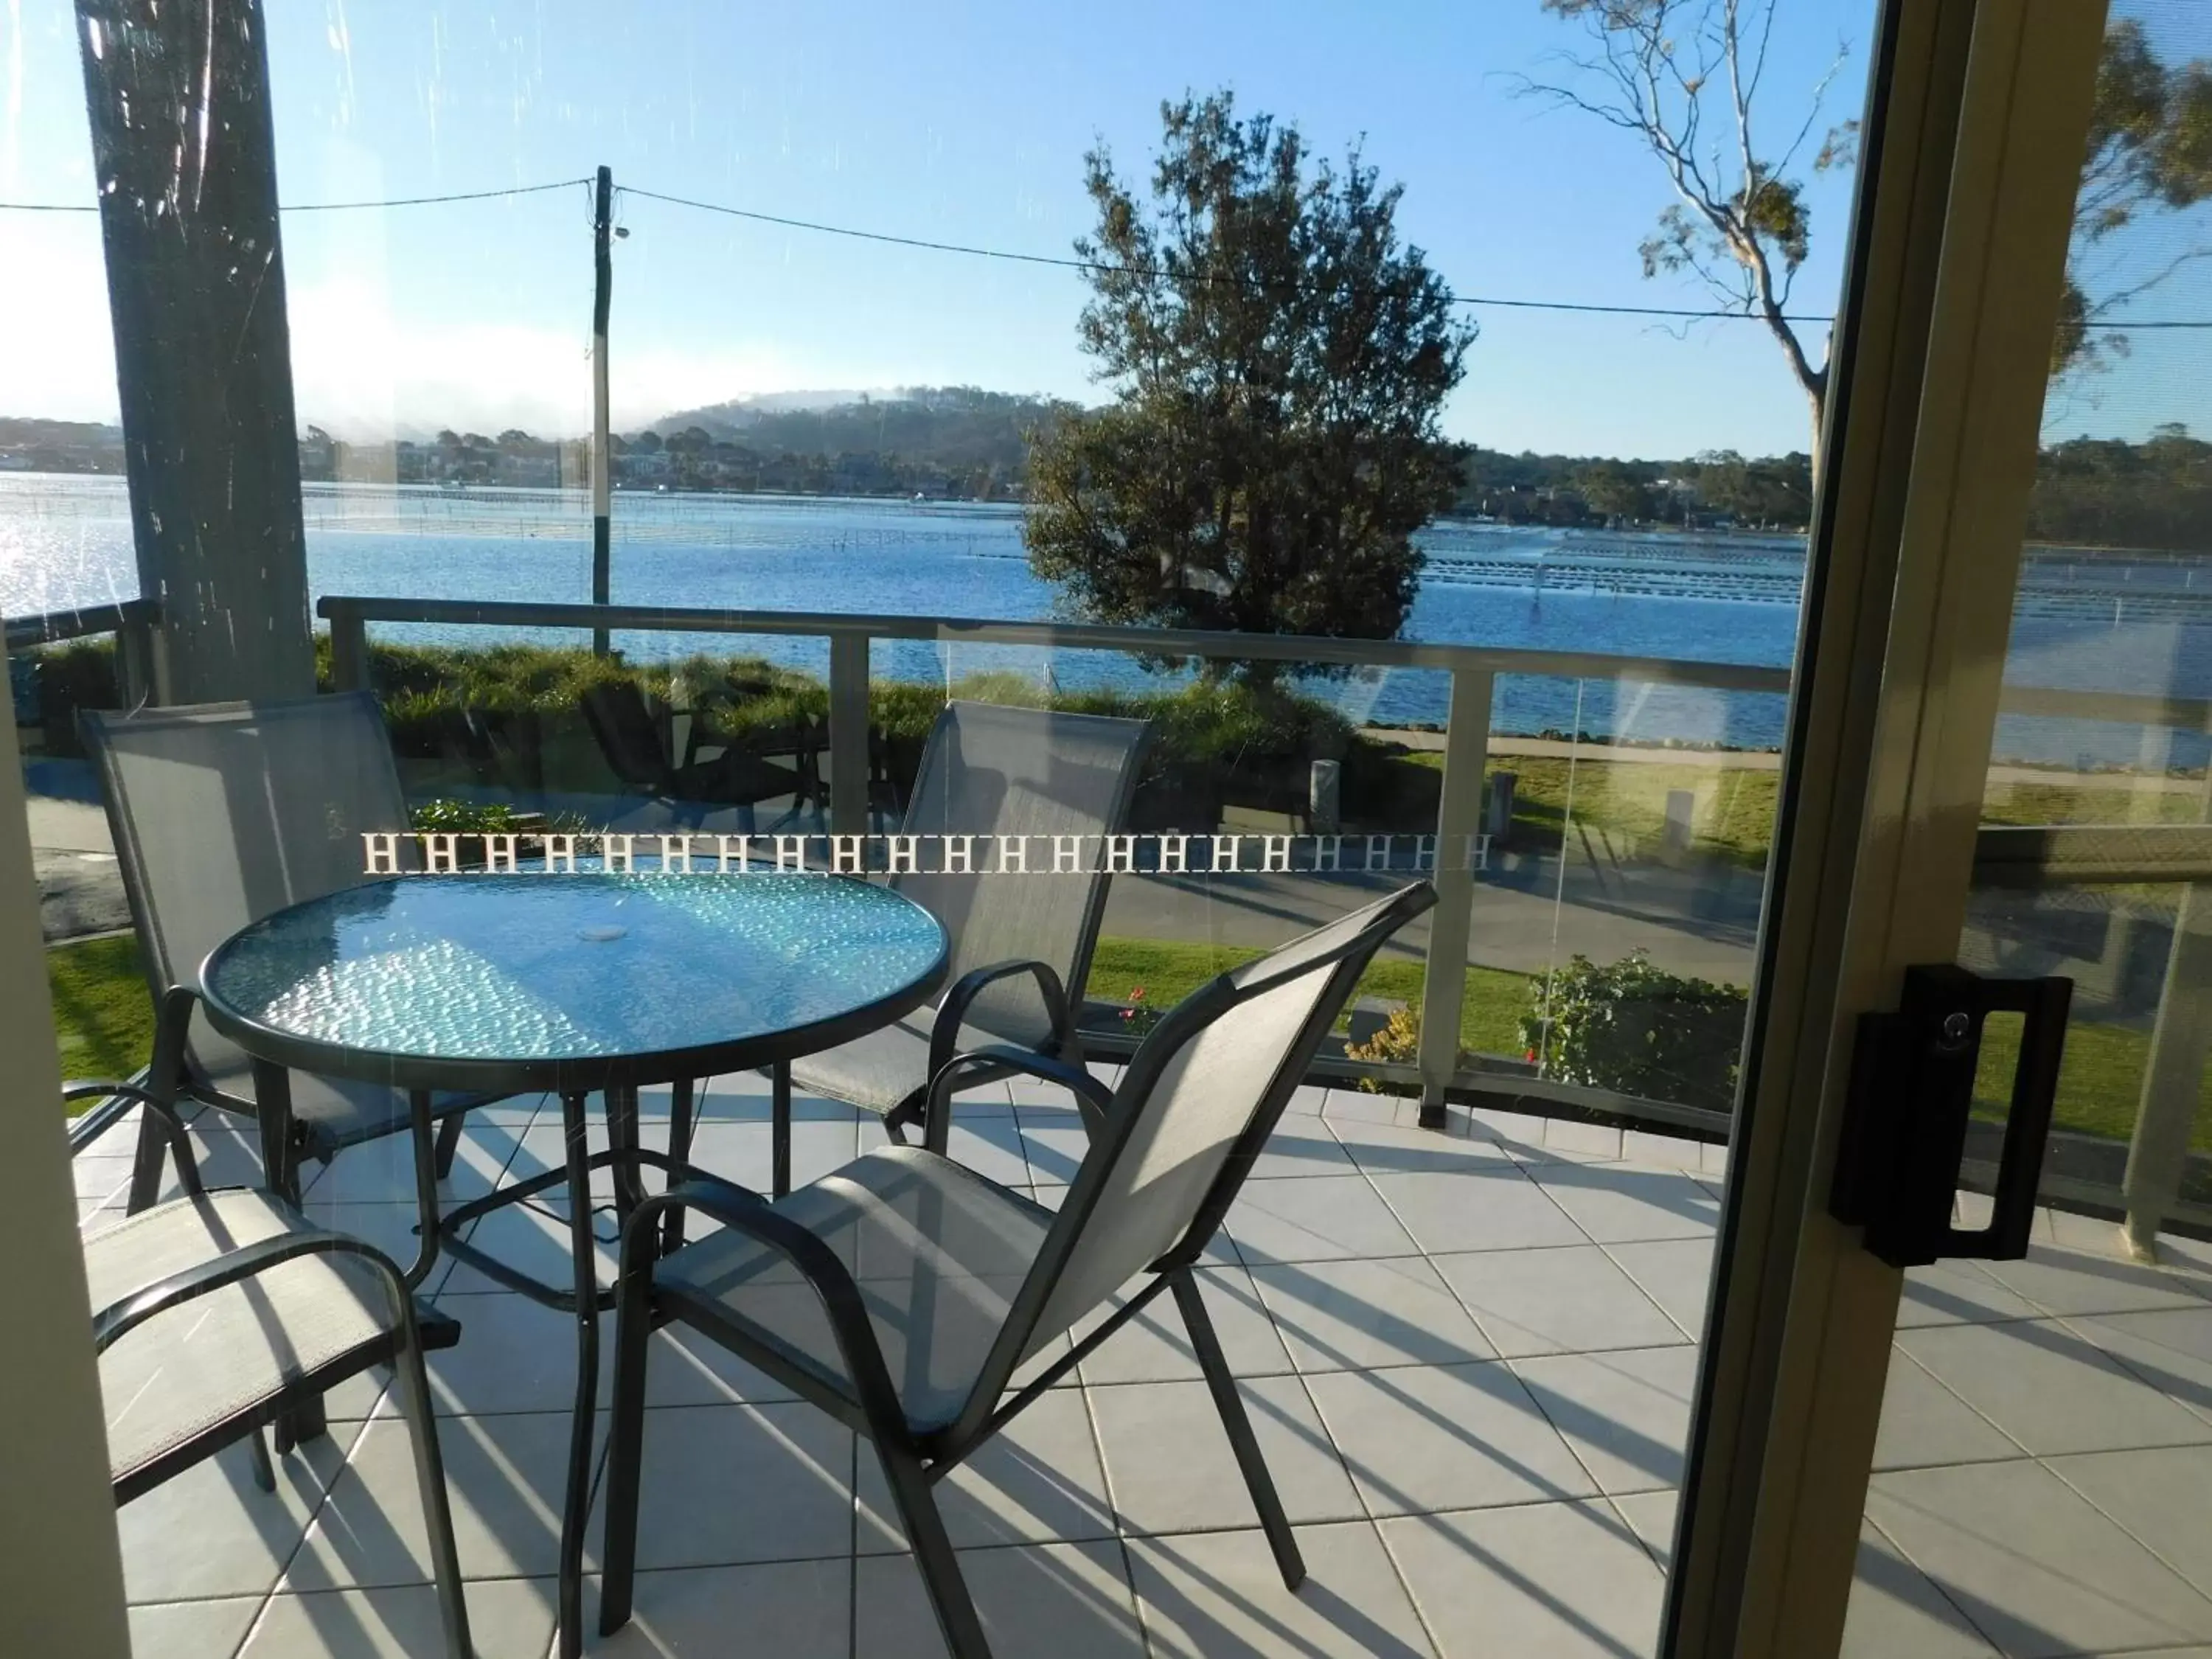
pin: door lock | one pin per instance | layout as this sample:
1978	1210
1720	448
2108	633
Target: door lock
1911	1097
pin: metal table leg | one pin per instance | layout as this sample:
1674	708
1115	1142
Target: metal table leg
581	1245
780	1128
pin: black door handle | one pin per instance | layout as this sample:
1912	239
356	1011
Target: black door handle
1912	1098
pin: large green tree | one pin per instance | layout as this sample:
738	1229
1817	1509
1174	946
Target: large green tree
1278	360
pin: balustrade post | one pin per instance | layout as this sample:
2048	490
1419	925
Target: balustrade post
142	672
2180	1040
349	647
1459	814
848	733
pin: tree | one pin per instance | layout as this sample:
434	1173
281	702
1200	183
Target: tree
2150	146
1277	361
1670	72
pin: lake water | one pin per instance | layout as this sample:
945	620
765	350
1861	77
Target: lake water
2143	625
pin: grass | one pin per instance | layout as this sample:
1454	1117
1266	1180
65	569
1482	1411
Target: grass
1622	804
103	1018
2100	1079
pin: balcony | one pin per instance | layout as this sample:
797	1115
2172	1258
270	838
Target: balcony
1468	1356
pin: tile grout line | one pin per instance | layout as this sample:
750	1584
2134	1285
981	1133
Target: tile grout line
2122	1526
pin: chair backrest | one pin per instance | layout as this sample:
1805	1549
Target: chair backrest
627	735
223	813
989	771
1201	1096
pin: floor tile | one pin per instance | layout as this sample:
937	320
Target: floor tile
1924	1424
792	1609
1052	1140
720	1485
1570	1298
1958	1293
2170	1350
1071	1600
1154	1347
211	1532
514	1355
100	1178
1169	1468
1662	1151
1520	1134
509	1619
1398	1149
1547	1581
533	1241
193	1630
990	1144
1422	1438
382	1171
504	1478
2033	1566
393	1228
1626	1414
1037	1480
686	1368
1650	1516
1319	1219
1307	1100
1343	1315
1349	1103
1220	1595
2050	1390
1619	1204
1572	1136
1302	1144
1488	1208
2163	1499
2061	1281
1896	1610
1675	1273
745	1152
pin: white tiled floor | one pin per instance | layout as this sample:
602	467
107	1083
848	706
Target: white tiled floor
1467	1357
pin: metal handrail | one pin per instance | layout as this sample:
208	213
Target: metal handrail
55	627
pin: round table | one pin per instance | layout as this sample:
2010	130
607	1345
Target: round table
570	984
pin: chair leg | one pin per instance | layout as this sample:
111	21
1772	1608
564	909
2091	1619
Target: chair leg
430	1479
625	1452
449	1143
264	1472
1242	1440
957	1618
154	1143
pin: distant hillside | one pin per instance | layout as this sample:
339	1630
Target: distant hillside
955	429
39	445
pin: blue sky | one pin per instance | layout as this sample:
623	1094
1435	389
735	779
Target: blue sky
962	123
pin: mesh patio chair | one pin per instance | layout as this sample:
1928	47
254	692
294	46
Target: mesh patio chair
223	813
902	1292
635	742
1021	944
221	1313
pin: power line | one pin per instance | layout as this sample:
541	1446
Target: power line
329	207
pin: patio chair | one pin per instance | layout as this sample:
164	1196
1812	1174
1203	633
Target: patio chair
901	1293
634	742
220	1313
1021	944
223	813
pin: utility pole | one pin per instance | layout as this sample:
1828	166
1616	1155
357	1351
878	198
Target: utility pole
603	269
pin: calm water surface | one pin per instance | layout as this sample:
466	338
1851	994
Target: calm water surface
2147	626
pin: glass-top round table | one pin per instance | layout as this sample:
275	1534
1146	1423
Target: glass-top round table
475	986
527	981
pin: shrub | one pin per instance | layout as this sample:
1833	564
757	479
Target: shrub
1637	1030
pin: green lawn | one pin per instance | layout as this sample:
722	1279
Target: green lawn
2100	1079
103	1018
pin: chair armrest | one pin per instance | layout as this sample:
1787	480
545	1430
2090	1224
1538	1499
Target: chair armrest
744	1211
111	1325
952	1009
1092	1097
89	1129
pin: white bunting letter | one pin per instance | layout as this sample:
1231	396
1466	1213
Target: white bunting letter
848	855
499	855
1425	852
903	854
560	855
959	855
1175	855
1328	854
1121	855
723	850
1013	855
1225	851
440	854
379	851
1067	853
1277	854
616	852
1478	853
1378	852
790	854
676	854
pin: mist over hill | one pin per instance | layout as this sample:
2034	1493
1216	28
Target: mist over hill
958	430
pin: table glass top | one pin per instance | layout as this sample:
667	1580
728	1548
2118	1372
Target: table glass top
572	967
